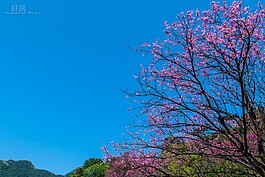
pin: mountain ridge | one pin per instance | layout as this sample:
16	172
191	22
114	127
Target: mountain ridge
23	168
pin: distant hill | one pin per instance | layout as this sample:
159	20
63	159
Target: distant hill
22	168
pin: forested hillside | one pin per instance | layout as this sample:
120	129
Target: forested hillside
22	168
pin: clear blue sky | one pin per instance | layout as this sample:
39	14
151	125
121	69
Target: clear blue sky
61	71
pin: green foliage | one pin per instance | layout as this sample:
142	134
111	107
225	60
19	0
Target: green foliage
92	161
197	165
92	167
96	170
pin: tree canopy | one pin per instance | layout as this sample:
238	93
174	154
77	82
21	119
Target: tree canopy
203	96
93	167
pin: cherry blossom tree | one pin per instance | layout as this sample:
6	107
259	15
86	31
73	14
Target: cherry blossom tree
203	94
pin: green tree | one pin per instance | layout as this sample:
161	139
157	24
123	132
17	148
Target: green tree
92	167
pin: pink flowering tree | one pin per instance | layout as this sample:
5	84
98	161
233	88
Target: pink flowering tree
204	95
